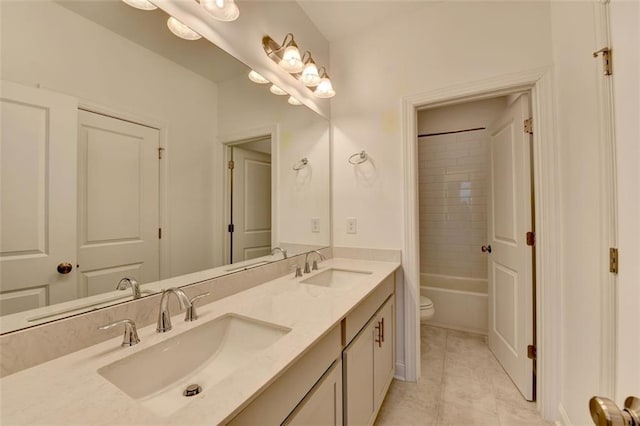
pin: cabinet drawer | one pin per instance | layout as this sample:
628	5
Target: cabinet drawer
357	319
273	405
323	405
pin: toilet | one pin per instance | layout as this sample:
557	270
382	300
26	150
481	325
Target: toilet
427	310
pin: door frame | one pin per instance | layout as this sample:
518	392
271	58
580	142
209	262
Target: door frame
229	140
548	219
163	207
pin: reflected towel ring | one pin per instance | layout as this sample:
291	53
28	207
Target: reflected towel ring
361	158
301	164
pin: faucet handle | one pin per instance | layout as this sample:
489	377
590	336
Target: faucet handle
298	271
315	265
191	314
130	337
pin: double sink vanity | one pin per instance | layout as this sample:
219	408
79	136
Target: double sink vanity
319	347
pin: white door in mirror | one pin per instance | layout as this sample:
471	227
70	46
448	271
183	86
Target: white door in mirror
38	198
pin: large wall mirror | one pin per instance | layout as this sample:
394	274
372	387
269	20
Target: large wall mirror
128	152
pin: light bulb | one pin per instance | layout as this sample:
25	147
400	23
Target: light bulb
222	10
325	88
181	30
257	78
291	61
141	4
293	101
277	91
310	76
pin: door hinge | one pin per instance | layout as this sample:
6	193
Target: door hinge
607	63
230	228
528	126
613	260
531	238
532	351
159	233
231	165
160	151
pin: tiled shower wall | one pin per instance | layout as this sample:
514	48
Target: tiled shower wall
453	204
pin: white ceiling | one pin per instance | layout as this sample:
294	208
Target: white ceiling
337	19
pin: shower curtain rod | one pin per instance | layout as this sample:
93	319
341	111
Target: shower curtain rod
453	131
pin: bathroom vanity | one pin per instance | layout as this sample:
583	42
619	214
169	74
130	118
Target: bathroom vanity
320	347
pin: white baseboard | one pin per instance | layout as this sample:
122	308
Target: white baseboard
564	417
400	372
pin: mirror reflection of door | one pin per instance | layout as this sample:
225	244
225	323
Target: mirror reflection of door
37	197
250	200
118	203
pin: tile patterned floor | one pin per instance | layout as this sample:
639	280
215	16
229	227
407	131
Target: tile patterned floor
462	384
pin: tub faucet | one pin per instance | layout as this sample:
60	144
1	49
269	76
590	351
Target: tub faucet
315	263
278	249
164	319
131	283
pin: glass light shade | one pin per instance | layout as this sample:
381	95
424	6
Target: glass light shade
181	30
310	76
277	91
141	4
291	61
324	89
257	78
222	10
293	101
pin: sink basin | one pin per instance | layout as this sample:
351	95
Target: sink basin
335	277
204	355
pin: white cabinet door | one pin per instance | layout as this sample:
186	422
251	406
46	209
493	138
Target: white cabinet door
384	354
323	405
358	378
37	197
369	363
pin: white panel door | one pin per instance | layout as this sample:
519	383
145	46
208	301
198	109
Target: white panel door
251	204
510	259
118	202
38	197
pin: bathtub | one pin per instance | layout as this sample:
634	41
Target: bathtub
460	303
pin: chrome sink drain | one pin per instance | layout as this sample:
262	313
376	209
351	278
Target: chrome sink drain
192	390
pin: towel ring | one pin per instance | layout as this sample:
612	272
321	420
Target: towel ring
301	164
361	158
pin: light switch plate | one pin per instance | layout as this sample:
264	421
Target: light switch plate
352	225
315	224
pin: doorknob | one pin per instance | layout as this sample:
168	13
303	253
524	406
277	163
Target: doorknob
64	268
605	412
486	249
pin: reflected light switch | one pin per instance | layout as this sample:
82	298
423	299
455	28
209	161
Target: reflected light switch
315	224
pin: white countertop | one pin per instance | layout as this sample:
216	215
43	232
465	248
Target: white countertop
68	390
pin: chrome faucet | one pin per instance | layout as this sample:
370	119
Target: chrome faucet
131	283
315	263
164	319
276	249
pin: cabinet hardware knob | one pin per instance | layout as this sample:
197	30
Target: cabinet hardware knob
486	249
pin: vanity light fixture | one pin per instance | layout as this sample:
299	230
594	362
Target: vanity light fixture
303	68
310	76
222	10
293	101
141	4
325	88
277	91
286	55
257	78
181	30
